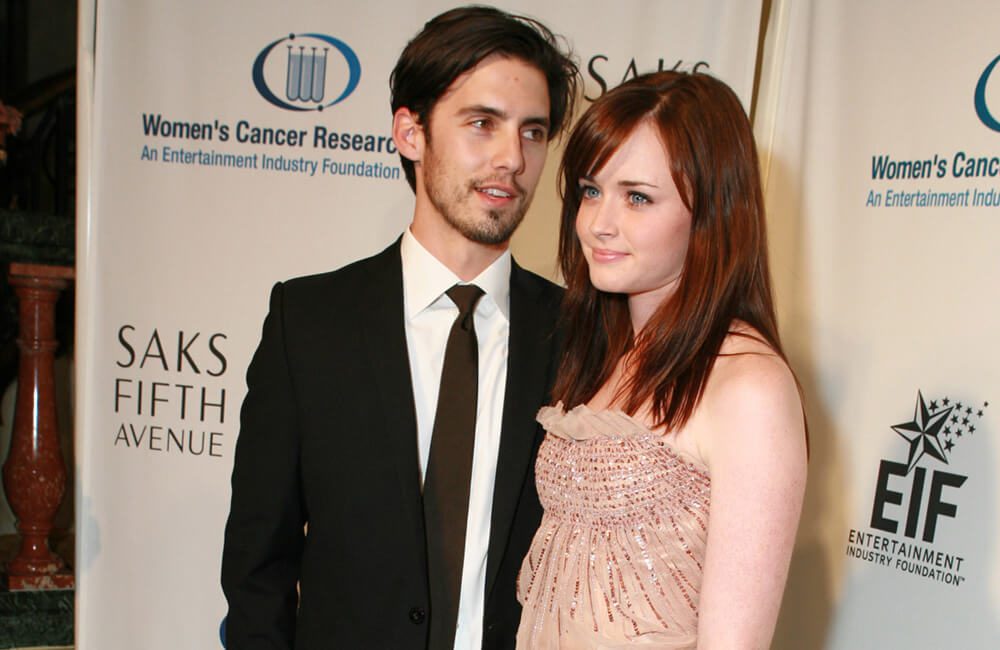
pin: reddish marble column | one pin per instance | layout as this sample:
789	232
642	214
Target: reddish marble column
34	475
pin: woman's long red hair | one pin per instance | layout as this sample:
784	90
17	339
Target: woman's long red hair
725	278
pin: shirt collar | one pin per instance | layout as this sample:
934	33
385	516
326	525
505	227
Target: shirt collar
425	278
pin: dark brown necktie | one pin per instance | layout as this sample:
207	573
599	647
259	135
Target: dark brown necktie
449	468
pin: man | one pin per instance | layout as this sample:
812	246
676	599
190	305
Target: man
395	425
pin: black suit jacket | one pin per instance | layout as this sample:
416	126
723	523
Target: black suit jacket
328	437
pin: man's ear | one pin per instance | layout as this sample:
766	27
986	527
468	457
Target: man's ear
408	134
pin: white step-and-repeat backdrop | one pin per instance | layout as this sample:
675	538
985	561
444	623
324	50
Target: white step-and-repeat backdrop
880	124
205	175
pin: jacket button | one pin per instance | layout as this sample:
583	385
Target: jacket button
417	615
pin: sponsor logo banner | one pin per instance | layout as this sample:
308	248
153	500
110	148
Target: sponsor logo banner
919	492
968	176
303	77
988	117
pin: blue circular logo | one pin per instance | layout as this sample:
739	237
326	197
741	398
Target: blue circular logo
305	72
982	110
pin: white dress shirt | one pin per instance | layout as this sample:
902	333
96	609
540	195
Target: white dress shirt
429	316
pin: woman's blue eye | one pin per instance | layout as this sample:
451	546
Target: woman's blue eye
589	191
637	198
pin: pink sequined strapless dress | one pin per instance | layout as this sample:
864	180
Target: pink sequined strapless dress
617	560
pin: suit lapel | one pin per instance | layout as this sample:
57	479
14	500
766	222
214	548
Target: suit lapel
381	315
527	367
382	320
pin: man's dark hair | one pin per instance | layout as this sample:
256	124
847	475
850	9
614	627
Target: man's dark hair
456	41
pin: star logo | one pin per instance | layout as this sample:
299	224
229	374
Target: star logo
935	430
922	433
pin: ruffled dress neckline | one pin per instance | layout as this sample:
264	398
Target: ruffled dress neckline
583	423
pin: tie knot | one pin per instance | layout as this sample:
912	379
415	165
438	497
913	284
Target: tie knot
465	297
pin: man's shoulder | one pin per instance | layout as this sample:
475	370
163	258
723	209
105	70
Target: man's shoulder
351	278
532	284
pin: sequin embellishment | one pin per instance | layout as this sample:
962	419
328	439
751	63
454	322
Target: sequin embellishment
618	556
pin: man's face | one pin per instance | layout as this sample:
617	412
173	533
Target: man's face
486	141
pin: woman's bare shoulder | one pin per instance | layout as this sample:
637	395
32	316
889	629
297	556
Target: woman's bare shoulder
751	397
746	359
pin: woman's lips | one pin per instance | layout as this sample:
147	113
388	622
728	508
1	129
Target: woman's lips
605	256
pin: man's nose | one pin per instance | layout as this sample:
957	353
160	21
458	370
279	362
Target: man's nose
509	152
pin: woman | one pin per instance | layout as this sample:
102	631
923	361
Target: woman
674	467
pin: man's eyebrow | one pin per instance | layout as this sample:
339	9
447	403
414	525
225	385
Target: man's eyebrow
483	109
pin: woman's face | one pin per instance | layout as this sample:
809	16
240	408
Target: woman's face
633	225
